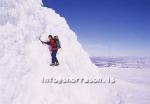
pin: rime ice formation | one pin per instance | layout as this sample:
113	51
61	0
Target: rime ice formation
24	61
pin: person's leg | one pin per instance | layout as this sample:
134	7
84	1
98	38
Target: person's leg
53	57
56	60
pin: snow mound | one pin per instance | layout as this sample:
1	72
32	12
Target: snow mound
24	61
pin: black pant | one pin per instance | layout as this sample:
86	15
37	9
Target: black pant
54	58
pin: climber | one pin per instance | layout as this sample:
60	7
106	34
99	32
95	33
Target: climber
53	48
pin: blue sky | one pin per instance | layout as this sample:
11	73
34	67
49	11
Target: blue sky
108	27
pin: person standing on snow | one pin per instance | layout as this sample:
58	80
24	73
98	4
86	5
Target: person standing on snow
53	48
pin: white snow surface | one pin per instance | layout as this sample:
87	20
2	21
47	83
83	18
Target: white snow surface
24	61
134	71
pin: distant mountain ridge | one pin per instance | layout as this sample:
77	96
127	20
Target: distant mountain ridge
122	62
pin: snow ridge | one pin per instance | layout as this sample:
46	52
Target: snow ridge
24	61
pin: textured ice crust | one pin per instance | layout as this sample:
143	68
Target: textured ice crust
24	61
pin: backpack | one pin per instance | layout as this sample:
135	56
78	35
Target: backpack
57	43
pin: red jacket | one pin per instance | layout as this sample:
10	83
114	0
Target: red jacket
53	45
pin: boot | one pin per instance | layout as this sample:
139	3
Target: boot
57	64
52	64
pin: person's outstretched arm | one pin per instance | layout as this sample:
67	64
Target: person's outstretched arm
48	43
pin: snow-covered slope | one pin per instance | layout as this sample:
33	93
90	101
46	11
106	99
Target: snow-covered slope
122	62
134	71
24	61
